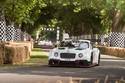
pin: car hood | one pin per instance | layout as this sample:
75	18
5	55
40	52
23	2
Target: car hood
69	50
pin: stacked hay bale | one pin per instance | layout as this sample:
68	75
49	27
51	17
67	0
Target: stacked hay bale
114	51
14	53
27	44
1	53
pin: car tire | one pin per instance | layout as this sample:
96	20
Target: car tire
98	60
51	63
91	60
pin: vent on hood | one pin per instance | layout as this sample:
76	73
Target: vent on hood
61	48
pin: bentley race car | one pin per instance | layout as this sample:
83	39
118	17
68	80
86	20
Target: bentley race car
80	55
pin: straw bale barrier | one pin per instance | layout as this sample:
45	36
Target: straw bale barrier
15	52
28	44
114	51
1	53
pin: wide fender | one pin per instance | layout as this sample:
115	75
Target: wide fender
96	54
51	53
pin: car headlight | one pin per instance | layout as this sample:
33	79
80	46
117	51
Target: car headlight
56	54
80	55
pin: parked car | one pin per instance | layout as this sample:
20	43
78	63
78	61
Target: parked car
68	55
45	44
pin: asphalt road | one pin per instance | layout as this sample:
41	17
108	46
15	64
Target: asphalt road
111	67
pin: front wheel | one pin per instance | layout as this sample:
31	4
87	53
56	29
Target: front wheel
51	63
98	60
91	60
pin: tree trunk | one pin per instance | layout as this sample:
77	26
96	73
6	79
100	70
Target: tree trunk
2	25
117	21
117	36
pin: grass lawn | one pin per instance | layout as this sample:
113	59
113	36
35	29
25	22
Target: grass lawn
38	57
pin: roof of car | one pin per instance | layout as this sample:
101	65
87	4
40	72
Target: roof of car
84	41
81	40
67	40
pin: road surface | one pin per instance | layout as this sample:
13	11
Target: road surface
112	68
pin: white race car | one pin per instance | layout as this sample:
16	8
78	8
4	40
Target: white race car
69	55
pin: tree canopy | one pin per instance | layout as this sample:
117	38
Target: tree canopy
74	16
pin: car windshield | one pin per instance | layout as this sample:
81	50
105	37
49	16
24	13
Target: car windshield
83	45
66	44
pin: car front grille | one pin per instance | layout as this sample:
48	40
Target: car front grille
67	55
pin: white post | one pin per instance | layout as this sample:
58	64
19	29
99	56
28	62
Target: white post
57	35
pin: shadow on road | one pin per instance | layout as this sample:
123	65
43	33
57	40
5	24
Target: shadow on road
94	72
114	71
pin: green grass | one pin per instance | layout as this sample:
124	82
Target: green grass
37	57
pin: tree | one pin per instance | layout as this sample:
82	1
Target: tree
88	16
78	21
17	11
112	12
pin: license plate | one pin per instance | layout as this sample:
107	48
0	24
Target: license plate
67	59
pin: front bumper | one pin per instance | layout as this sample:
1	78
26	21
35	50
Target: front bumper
76	63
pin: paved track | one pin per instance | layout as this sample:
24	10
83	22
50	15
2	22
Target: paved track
112	67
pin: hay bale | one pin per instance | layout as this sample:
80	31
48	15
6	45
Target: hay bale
114	51
9	53
28	44
27	53
102	49
107	50
1	53
121	52
19	55
15	54
111	51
